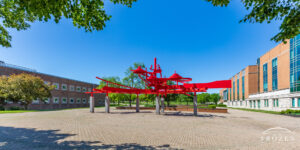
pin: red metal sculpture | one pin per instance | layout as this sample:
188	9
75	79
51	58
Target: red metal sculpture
156	84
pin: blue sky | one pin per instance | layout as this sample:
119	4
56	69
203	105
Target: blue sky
194	38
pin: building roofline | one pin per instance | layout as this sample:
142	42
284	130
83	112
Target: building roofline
3	64
269	50
241	70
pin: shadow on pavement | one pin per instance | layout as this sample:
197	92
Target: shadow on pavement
126	112
31	139
191	115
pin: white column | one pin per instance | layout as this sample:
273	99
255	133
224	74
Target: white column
195	105
107	104
92	104
157	105
162	104
271	103
137	104
296	102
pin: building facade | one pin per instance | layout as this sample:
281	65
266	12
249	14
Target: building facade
243	83
68	93
278	80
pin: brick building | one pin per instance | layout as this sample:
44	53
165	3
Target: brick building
68	93
274	83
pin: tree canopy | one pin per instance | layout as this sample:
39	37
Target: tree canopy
23	88
287	11
87	14
90	14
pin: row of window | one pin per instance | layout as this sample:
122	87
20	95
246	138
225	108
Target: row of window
295	64
238	87
294	101
274	75
257	103
55	100
65	87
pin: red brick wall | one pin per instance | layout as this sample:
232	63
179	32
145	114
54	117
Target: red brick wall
99	98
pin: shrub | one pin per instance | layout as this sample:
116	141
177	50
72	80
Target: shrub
289	111
15	108
212	106
222	105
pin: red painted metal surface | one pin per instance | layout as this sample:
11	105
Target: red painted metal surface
156	84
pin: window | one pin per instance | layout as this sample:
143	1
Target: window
225	95
241	103
56	86
293	102
47	82
266	103
274	74
298	102
233	90
71	100
258	104
238	88
230	94
275	103
64	100
64	87
47	100
254	104
243	87
83	89
71	88
78	101
78	89
250	104
37	101
265	77
295	64
89	89
56	100
84	100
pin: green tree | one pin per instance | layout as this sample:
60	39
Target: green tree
215	98
287	11
3	90
114	97
25	88
87	14
203	98
132	79
185	98
170	97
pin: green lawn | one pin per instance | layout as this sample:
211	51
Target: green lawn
256	110
23	111
16	111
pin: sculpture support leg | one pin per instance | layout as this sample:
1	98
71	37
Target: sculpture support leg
92	104
162	104
137	106
195	105
107	104
157	105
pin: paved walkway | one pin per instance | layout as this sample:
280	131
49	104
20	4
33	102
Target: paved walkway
125	129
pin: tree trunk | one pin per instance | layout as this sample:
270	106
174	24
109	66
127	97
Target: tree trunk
130	101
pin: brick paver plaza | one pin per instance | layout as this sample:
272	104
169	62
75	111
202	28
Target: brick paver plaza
125	129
